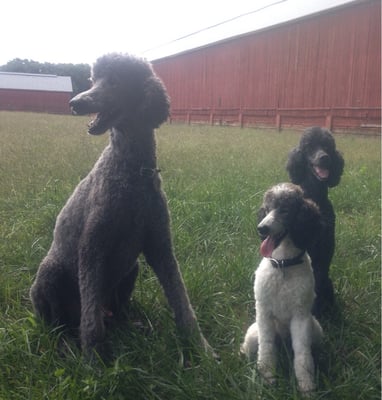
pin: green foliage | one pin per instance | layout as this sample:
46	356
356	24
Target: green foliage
214	179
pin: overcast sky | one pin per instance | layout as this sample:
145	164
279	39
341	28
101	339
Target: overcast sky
79	31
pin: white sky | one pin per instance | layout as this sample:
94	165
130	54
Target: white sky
79	31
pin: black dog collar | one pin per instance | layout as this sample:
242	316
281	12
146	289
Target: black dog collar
148	172
289	262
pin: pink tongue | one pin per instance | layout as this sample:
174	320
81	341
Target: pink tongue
267	246
323	173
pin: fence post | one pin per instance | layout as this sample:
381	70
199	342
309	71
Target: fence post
241	119
329	121
278	121
211	118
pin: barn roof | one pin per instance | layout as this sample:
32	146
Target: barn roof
46	83
274	14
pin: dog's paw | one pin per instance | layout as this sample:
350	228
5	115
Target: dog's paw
269	378
209	350
212	353
192	353
306	388
267	374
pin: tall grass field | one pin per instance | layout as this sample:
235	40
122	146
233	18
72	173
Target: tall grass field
214	178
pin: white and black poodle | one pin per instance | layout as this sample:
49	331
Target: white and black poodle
116	212
316	166
284	284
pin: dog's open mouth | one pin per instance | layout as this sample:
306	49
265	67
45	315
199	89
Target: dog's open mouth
99	124
102	121
270	243
321	173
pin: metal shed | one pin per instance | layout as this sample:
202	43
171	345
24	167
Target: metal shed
322	69
35	92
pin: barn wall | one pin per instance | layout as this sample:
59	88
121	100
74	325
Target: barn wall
323	70
35	101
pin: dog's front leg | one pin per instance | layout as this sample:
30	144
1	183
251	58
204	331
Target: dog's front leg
301	332
167	270
92	327
266	359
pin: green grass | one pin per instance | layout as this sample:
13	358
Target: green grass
214	179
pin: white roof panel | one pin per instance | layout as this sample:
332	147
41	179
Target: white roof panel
274	13
49	83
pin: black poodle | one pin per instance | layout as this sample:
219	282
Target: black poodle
316	166
117	212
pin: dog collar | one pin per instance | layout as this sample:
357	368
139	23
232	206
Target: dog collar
288	262
148	172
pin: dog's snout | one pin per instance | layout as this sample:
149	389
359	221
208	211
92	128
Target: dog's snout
76	99
322	158
263	230
73	103
82	104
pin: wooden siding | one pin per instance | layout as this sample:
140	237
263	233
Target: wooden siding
324	69
35	101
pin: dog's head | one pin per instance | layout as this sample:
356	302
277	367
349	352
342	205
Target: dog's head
285	211
316	156
125	92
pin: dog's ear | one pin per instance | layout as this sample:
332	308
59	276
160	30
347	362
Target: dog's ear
336	169
307	224
296	166
155	107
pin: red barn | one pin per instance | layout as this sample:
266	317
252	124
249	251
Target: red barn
322	69
35	92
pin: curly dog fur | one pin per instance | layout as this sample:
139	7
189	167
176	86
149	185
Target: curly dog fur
284	284
316	166
117	212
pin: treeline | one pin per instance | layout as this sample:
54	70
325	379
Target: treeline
78	72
